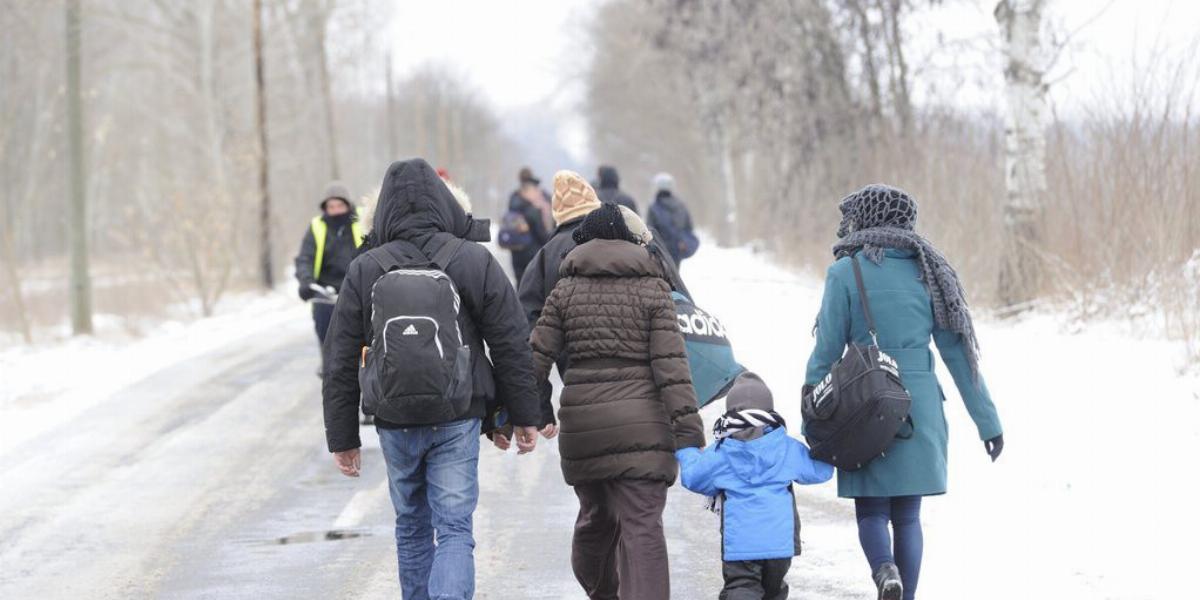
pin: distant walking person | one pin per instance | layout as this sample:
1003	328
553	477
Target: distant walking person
413	318
528	223
914	295
671	221
330	243
610	188
573	200
749	473
628	404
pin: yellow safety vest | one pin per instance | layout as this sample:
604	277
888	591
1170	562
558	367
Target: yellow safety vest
320	229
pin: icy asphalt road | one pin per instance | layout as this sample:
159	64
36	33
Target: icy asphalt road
209	479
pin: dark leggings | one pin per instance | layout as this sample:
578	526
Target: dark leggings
904	513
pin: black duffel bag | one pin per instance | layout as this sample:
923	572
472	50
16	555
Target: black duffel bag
854	414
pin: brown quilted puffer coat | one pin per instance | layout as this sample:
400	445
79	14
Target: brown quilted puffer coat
628	403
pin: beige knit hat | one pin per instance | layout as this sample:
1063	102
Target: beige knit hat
636	226
573	197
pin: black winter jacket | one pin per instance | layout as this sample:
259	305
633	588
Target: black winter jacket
414	205
609	189
669	218
537	228
340	249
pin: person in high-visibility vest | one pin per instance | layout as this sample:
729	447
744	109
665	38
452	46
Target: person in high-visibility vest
330	243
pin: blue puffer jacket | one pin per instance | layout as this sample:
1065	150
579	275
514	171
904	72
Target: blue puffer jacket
759	514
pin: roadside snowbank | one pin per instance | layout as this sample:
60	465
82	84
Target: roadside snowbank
46	384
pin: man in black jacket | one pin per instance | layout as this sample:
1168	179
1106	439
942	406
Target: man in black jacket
609	189
533	204
329	244
432	470
670	219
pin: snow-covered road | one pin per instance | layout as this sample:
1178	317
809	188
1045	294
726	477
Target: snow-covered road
203	474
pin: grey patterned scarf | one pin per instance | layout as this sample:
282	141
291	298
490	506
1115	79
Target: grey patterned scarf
878	217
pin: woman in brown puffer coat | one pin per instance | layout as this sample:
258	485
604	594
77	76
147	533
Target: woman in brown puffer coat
627	406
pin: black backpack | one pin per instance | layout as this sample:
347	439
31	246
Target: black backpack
855	413
417	370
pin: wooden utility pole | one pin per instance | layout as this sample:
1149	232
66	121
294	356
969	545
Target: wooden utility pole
264	172
80	279
391	111
327	93
1024	149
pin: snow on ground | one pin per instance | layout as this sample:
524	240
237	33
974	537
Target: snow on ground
1094	494
47	384
1092	498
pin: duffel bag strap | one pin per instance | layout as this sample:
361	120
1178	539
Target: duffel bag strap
862	296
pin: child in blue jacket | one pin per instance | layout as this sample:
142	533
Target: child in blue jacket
749	471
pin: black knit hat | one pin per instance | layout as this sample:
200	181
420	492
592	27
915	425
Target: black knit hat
604	223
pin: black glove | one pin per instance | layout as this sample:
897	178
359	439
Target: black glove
994	446
306	292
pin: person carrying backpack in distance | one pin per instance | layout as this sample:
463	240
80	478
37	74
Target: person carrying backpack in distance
671	220
330	243
528	224
627	404
749	473
408	336
914	295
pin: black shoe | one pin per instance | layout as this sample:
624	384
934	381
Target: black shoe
887	579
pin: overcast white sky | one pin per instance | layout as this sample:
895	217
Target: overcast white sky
534	51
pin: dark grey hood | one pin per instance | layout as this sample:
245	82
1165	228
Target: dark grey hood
414	203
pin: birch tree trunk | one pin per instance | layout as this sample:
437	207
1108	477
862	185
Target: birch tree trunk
267	273
1020	24
80	278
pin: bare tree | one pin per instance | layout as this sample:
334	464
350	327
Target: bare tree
264	172
320	29
81	284
1024	148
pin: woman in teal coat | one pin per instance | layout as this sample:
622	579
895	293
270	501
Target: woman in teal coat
915	296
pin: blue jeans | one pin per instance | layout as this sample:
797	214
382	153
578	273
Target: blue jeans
434	482
904	513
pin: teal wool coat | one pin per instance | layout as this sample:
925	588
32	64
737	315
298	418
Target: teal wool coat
903	315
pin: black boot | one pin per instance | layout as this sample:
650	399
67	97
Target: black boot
887	579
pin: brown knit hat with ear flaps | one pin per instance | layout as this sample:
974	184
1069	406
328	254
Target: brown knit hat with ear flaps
573	197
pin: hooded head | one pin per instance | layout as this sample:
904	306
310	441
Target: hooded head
414	203
336	190
877	205
608	177
604	223
637	226
573	197
663	182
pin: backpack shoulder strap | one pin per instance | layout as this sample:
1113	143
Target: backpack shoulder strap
383	258
388	256
862	296
447	252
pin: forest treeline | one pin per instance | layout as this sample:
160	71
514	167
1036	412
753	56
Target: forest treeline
766	111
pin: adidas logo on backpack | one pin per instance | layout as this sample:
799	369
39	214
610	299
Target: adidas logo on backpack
410	330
